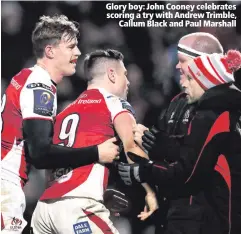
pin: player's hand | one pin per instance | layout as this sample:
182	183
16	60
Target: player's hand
144	137
108	151
134	173
150	207
116	202
149	138
126	172
138	131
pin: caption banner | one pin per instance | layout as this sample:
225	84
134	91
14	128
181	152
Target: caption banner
148	14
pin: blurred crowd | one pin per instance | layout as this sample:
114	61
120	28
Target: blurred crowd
150	58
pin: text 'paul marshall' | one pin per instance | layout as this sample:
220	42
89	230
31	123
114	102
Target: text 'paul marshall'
180	23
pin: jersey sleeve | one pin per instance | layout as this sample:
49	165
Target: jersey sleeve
38	98
118	105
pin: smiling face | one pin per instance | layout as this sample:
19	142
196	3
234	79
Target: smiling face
182	66
66	54
188	84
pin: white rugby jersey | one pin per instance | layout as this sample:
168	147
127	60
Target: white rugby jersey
30	95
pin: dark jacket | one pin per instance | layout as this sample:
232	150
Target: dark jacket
173	123
209	161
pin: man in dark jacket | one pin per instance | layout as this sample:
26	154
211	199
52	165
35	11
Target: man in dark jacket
209	158
173	123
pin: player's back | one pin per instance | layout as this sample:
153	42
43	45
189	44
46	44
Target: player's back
87	121
17	104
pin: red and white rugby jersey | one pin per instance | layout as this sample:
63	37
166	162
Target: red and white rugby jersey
31	94
87	121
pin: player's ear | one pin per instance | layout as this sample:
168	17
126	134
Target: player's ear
49	51
111	74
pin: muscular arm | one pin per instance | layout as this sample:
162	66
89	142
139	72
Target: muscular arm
43	154
124	124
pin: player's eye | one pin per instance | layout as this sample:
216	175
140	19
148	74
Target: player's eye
189	77
72	46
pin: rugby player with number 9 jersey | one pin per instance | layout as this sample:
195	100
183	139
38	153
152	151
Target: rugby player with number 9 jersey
73	200
28	111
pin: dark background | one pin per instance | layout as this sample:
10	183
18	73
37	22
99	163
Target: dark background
150	58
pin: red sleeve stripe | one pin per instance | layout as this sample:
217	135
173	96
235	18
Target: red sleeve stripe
161	167
221	124
121	113
189	128
223	168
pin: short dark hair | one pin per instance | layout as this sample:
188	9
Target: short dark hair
98	57
50	30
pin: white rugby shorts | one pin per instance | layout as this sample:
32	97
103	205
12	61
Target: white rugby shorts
72	216
13	205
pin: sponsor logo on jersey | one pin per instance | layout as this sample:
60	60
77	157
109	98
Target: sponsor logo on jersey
82	227
16	224
43	102
127	106
15	84
39	85
89	101
186	116
61	174
84	95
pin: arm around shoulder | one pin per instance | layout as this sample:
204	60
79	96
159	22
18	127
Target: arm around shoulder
43	154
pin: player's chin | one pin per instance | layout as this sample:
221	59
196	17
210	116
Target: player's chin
190	100
124	97
70	72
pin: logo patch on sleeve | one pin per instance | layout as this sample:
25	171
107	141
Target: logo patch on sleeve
127	106
43	102
82	227
39	85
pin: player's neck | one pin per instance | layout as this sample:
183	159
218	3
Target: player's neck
99	86
95	86
101	83
53	73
